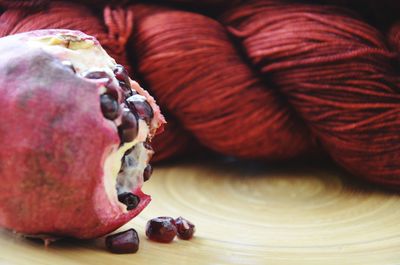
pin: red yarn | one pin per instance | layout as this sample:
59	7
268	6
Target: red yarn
23	3
336	71
269	82
394	37
196	73
202	3
172	142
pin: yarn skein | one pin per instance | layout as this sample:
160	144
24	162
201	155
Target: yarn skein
223	103
336	72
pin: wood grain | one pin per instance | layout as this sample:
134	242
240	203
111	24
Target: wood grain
246	213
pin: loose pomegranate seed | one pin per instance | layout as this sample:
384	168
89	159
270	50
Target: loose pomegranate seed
161	229
128	129
148	170
130	200
109	106
185	229
123	242
138	104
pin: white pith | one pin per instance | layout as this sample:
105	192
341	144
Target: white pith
85	55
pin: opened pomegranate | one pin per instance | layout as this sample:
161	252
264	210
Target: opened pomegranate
73	133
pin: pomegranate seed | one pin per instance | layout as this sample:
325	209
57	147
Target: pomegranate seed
123	77
130	200
126	87
148	170
128	129
138	104
99	75
112	90
185	229
148	146
109	106
123	242
161	229
121	74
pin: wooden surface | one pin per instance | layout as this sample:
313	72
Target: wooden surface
246	214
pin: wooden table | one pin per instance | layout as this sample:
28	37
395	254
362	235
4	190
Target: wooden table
246	213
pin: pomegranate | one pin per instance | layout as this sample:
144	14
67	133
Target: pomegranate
74	150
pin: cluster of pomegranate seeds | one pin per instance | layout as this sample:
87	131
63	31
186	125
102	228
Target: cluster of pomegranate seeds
161	229
164	229
122	101
132	106
123	242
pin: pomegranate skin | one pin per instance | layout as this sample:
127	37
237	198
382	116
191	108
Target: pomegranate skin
54	143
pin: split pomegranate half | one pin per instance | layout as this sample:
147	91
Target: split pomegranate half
75	135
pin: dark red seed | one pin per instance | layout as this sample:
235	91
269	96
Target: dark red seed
121	74
148	170
123	77
69	65
123	242
185	229
138	104
130	200
109	106
148	146
161	229
126	87
96	75
112	90
128	129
